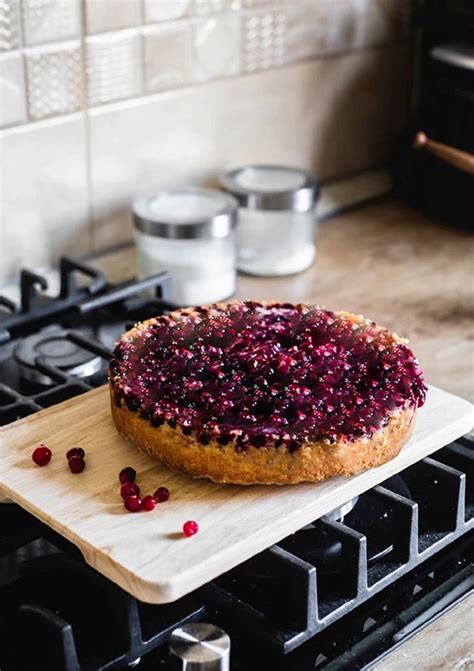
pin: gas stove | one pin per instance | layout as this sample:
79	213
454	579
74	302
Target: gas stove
338	594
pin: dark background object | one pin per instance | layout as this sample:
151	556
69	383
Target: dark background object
442	106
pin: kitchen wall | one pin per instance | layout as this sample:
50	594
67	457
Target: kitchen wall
102	99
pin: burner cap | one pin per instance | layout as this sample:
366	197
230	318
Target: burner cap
55	348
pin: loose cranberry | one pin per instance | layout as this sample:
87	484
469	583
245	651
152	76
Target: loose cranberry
149	502
129	489
127	474
76	464
42	455
190	528
133	503
75	452
161	494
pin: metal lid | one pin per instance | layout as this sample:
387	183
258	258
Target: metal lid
272	187
185	213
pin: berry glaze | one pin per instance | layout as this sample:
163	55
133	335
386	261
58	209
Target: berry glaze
277	374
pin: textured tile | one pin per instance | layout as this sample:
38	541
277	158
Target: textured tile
216	46
9	24
50	20
334	116
263	39
167	55
165	10
113	66
320	27
54	79
204	7
45	198
103	15
12	90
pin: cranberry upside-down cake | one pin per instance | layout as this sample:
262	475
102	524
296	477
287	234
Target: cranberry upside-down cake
268	393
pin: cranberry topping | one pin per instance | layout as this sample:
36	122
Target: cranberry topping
190	528
127	474
133	504
75	452
129	489
254	375
149	503
42	455
161	494
76	464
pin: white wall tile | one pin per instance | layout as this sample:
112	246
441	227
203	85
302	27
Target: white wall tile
167	55
216	46
9	24
50	20
54	79
114	66
103	15
333	116
316	28
165	10
204	7
12	90
45	197
263	39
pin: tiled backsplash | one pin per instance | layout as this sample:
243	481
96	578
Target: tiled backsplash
101	98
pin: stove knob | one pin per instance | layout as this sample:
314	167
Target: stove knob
201	647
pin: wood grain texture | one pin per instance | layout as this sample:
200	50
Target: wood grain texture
145	553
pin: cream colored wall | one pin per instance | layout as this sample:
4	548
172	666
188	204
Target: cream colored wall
141	93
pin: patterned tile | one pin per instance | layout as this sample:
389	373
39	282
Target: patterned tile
103	15
204	7
50	20
12	90
9	24
165	10
263	39
114	68
54	79
167	55
216	46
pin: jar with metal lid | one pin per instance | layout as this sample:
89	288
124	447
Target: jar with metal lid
277	218
188	232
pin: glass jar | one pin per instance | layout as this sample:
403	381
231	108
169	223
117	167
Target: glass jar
277	218
188	232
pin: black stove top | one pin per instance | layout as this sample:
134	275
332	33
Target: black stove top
336	595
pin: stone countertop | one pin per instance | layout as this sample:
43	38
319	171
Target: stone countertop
394	265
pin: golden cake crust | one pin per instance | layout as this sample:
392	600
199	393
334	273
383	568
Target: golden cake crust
270	465
263	465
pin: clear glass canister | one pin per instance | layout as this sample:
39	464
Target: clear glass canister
188	232
277	218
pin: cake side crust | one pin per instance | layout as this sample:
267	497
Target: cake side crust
270	465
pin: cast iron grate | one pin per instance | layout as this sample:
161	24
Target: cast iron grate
280	601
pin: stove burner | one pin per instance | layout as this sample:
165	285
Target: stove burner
339	513
53	347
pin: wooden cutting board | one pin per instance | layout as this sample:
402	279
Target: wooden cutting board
146	553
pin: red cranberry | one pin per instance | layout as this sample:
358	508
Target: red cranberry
127	474
42	455
190	528
75	452
76	464
133	503
161	494
129	489
149	503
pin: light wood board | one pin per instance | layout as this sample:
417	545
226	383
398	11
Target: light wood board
145	553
